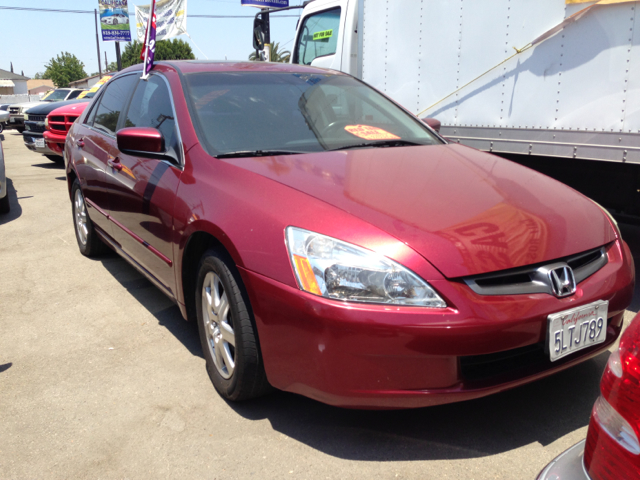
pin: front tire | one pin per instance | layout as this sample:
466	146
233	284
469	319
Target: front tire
89	243
227	332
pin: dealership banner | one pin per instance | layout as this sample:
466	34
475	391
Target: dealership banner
171	19
114	20
265	3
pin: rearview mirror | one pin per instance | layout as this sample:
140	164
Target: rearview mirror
259	33
140	140
433	123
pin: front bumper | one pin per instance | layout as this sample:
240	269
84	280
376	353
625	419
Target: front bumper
55	141
16	120
30	141
382	356
566	466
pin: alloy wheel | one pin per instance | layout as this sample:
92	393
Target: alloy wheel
218	325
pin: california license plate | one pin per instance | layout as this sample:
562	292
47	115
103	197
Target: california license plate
39	142
575	329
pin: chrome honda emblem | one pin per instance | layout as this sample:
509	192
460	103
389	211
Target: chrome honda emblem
562	281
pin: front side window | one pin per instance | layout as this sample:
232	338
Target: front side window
74	94
318	36
151	107
112	103
295	112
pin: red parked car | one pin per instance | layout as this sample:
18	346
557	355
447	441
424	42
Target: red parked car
611	450
329	243
58	123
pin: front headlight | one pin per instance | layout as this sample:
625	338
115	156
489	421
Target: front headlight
46	123
25	116
342	271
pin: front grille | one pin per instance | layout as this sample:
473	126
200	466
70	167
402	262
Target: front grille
534	278
60	123
34	127
495	365
14	110
37	118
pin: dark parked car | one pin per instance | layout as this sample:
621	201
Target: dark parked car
34	127
330	243
5	207
611	450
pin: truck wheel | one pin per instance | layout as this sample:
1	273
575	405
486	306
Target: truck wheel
89	243
5	207
227	332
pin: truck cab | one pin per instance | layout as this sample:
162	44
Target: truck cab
327	35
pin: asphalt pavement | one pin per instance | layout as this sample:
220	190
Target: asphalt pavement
100	377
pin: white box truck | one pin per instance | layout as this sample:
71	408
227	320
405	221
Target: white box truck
554	80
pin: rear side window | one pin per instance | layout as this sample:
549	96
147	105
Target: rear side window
318	36
112	103
74	94
151	107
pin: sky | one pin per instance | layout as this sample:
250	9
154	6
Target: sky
37	37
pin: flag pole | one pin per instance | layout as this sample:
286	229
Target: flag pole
145	75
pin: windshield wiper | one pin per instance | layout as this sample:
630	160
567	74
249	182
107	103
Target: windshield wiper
257	153
380	143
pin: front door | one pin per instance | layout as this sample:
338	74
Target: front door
142	189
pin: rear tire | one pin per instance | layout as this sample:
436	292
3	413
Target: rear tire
227	333
89	243
5	207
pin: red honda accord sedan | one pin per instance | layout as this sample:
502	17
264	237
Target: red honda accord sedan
329	243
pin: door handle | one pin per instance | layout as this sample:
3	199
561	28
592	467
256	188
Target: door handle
114	163
80	143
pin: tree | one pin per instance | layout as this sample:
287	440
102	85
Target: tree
63	69
276	56
38	75
174	49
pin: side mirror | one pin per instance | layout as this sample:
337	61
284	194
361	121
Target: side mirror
140	140
259	33
433	123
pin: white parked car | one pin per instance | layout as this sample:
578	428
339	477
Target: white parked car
115	19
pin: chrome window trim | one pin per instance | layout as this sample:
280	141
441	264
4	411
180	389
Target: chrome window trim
540	282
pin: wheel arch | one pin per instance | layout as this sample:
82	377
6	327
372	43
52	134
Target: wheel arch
196	244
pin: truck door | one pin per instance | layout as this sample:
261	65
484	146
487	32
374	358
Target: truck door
320	37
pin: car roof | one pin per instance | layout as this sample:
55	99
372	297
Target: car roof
194	66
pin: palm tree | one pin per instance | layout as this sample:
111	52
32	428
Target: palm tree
276	56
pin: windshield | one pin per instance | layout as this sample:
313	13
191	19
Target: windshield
295	112
57	95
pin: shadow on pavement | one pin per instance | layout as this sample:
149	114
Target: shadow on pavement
16	209
49	165
541	412
160	306
5	367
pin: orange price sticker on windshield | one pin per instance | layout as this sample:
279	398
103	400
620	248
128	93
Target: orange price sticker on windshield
370	133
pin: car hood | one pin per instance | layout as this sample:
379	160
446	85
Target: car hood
26	105
71	108
48	107
467	212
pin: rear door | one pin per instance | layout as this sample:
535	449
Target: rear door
142	188
93	144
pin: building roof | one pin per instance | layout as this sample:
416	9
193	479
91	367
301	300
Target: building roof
86	79
4	75
37	82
